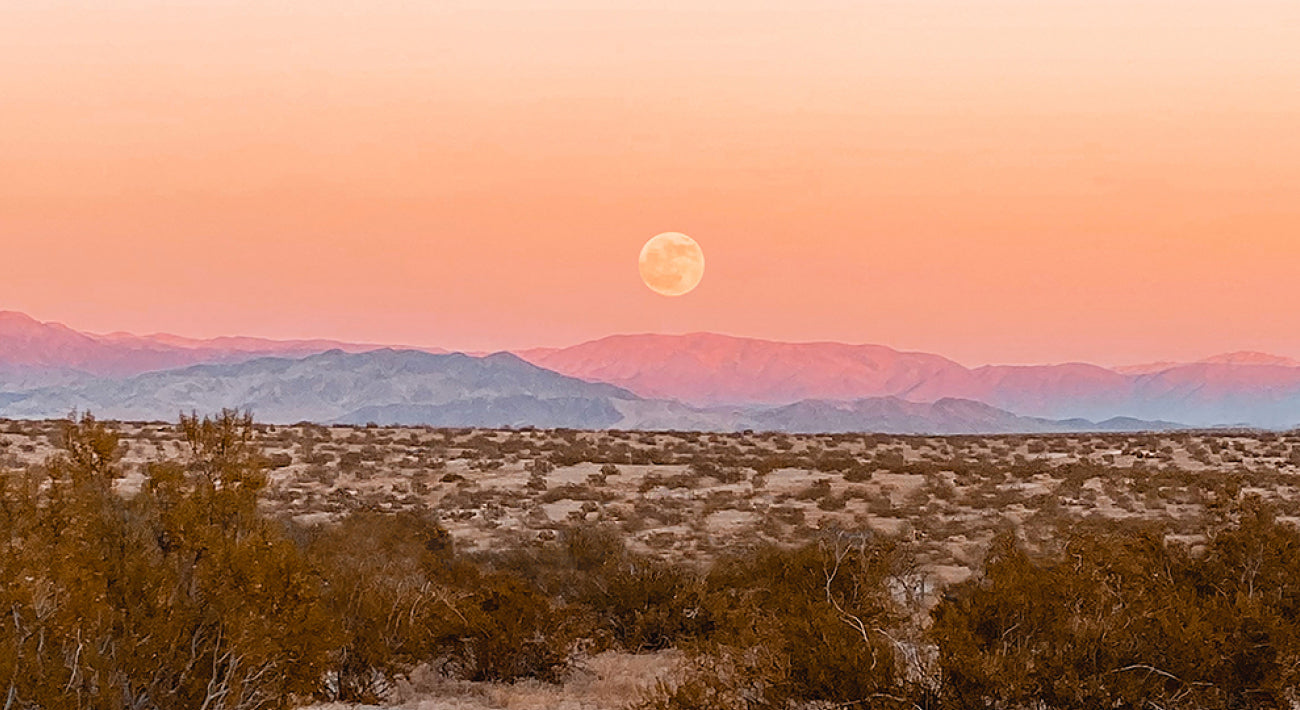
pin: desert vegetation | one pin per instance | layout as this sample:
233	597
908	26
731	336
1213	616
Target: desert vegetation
218	563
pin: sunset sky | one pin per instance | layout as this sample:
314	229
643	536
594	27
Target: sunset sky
992	180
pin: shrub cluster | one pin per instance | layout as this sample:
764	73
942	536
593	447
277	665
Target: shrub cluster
1115	617
183	596
1121	619
186	595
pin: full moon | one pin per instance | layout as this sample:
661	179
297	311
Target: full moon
671	264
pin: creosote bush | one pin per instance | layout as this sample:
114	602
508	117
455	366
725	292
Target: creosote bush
180	597
613	598
1120	618
813	623
384	585
185	595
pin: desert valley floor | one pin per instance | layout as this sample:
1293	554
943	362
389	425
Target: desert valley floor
694	495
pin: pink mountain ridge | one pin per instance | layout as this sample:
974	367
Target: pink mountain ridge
706	369
28	344
712	370
1244	357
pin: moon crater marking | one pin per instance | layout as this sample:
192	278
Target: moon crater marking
671	264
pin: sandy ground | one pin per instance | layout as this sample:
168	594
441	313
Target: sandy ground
694	497
609	681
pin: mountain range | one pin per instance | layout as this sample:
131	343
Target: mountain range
705	369
408	387
695	381
35	354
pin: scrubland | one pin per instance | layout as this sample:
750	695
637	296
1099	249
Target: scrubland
219	563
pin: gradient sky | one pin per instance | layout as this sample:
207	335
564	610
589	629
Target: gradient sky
993	180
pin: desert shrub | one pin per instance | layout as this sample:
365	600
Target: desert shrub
1121	619
642	603
279	460
185	595
835	461
940	489
574	491
730	474
181	597
891	460
832	503
511	630
679	480
803	624
787	514
702	467
540	467
350	460
815	491
387	592
858	473
401	597
613	596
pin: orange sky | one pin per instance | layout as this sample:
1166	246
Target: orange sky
994	180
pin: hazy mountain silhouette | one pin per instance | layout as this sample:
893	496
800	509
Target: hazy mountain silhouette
689	381
456	390
396	386
891	415
705	369
34	354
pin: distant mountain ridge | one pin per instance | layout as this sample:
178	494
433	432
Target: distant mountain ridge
499	390
1239	358
891	415
344	387
706	369
35	354
703	378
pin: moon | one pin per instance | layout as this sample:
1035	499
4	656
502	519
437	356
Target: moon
671	264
